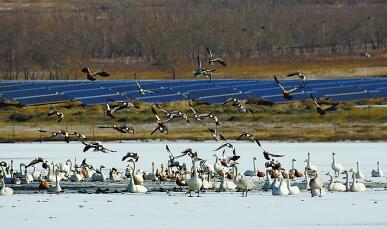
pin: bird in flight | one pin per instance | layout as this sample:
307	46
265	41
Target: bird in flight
212	59
91	75
323	109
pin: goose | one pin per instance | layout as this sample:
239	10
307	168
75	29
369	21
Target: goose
322	110
359	174
356	186
56	188
294	172
110	111
125	105
337	167
281	190
238	104
80	136
293	190
251	173
59	133
197	117
212	59
309	166
207	167
267	183
226	185
59	115
202	71
378	172
132	187
316	183
229	145
96	146
347	187
5	191
287	93
141	90
216	135
173	114
91	75
132	155
160	123
126	128
194	183
335	186
251	137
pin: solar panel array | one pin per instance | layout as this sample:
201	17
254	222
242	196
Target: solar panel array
163	91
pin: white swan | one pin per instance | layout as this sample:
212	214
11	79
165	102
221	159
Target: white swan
226	184
359	174
76	176
378	172
99	176
335	186
114	175
316	183
337	167
35	174
282	190
5	191
132	187
356	186
347	187
267	184
194	183
251	173
218	167
309	166
243	183
293	190
307	187
56	188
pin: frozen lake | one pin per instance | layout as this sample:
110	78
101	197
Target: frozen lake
176	210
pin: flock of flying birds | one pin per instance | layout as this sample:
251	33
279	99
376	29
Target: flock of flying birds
162	118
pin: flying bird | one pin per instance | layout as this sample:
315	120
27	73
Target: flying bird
216	135
59	115
202	71
287	93
58	133
250	137
173	114
267	155
141	90
96	146
126	128
160	123
322	110
132	155
225	145
212	116
238	104
91	75
212	59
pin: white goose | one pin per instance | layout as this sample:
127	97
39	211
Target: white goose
194	183
337	167
356	186
56	188
378	172
251	173
99	176
335	186
132	187
5	191
359	174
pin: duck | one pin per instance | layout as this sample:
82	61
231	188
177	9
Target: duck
57	188
251	173
359	174
98	175
194	183
5	191
316	183
356	186
378	172
337	167
335	186
132	187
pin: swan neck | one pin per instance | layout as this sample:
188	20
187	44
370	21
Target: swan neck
255	170
153	168
293	165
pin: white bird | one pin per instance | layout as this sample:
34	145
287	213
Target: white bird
337	167
218	167
194	183
359	174
293	190
76	176
347	187
243	183
309	166
56	188
307	187
356	186
132	187
316	183
378	172
226	184
5	191
335	186
282	190
99	176
251	173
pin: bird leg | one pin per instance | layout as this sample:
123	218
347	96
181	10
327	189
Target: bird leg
190	195
198	192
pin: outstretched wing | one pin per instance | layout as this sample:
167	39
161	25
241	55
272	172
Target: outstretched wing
209	52
331	107
85	70
279	84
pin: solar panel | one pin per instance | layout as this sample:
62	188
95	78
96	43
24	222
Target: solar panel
88	93
100	99
353	96
211	92
27	93
222	98
43	99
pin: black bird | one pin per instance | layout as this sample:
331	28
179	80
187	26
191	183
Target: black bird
35	161
131	155
212	59
90	75
322	110
59	115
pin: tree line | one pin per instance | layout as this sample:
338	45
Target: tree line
52	42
